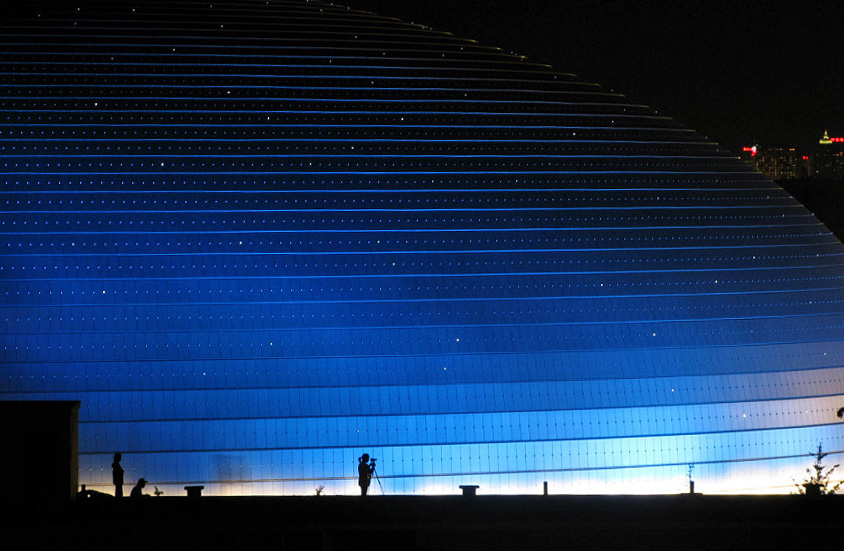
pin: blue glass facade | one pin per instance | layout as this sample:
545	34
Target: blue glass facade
256	240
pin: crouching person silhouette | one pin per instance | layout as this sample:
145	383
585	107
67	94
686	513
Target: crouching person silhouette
138	490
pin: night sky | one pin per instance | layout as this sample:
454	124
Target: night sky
741	72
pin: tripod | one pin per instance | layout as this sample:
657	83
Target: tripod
378	478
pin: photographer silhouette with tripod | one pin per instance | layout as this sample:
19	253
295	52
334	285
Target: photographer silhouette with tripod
366	469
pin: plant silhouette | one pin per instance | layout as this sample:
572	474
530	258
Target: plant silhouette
819	481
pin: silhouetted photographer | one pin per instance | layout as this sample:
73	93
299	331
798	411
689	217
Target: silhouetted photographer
365	470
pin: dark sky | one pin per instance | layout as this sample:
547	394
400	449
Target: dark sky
741	72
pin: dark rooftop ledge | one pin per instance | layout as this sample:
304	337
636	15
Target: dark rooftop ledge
403	523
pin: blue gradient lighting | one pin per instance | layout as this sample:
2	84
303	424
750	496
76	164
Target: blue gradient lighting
259	239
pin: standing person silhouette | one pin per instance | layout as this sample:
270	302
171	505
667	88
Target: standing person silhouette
117	475
365	469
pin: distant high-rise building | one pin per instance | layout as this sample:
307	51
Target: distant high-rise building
777	163
828	159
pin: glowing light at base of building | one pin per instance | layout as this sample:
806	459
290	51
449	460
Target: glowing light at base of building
257	240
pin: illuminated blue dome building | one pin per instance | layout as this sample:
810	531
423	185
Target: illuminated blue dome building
257	239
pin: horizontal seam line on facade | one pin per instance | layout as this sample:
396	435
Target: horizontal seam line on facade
779	208
270	100
479	54
339	171
514	67
466	62
393	356
385	141
365	26
437	414
274	76
472	275
816	224
479	442
133	155
419	35
411	387
440	326
652	378
381	113
718	192
453	252
285	127
474	48
488	299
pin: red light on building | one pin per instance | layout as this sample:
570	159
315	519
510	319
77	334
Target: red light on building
752	150
805	157
837	140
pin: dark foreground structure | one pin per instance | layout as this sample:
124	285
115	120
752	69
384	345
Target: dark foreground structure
406	523
39	456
